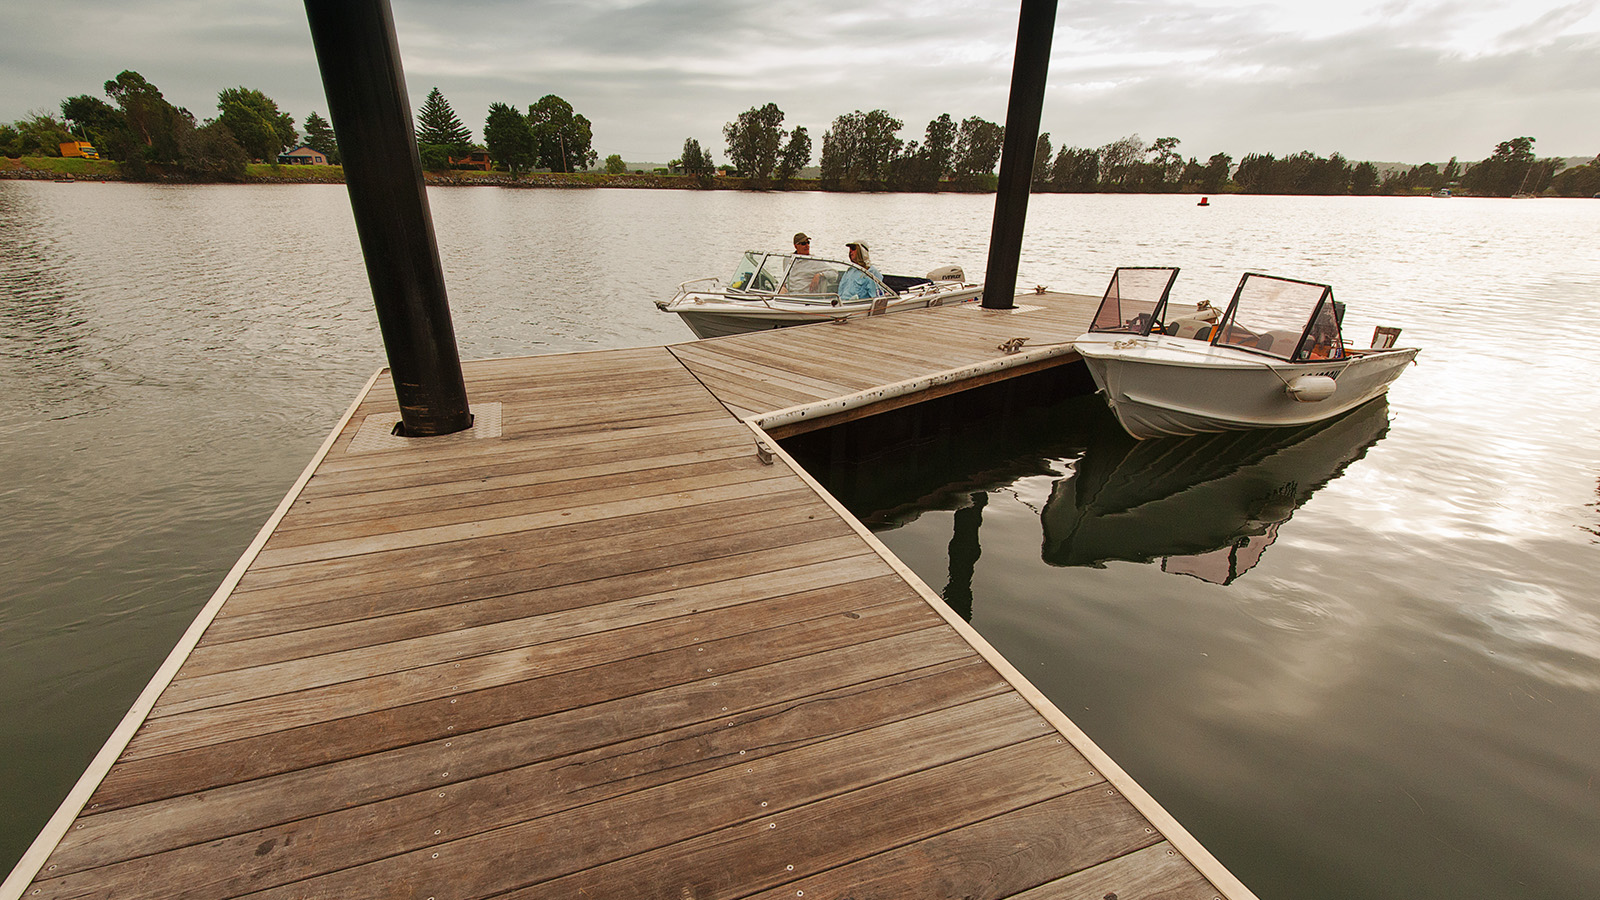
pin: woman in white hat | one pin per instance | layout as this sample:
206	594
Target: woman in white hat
853	284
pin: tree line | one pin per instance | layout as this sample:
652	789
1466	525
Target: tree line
860	151
142	130
864	151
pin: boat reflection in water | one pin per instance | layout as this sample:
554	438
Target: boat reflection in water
1205	506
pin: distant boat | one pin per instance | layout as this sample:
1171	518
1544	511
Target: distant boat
1442	192
1276	357
1204	201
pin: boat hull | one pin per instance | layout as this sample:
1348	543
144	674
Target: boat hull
714	315
1168	387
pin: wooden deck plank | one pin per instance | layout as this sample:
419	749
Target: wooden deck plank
417	578
1156	871
763	550
810	833
610	652
997	857
501	683
686	610
583	763
343	523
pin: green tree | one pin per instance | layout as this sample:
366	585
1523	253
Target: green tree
839	147
509	139
438	124
320	137
1504	173
92	119
1120	159
615	165
1579	181
1041	162
978	148
880	144
697	163
796	155
755	138
40	134
939	145
1167	164
562	138
858	149
254	119
212	153
1076	170
1363	179
152	124
1215	177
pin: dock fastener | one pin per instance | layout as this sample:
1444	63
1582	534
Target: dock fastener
1012	346
764	453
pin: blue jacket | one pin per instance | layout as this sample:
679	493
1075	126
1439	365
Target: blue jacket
854	285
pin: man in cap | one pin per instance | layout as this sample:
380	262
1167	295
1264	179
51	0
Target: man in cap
805	276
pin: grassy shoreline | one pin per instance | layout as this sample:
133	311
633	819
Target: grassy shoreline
51	168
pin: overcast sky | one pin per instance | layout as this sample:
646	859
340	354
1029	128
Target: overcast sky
1385	81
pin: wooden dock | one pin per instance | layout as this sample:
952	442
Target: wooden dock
613	643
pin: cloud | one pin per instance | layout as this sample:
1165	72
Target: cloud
1390	80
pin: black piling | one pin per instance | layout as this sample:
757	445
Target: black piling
367	104
1035	27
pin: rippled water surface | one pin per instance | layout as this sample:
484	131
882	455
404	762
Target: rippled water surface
1362	660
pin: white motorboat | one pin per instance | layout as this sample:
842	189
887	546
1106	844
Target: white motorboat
776	290
1275	357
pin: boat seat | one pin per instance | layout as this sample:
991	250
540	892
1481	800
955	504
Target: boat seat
902	283
1191	328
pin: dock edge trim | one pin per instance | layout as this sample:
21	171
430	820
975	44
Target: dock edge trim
33	859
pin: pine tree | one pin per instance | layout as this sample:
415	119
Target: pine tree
319	137
437	124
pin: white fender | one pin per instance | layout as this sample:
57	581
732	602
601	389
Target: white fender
1310	388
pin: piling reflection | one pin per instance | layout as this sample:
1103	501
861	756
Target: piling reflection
1205	506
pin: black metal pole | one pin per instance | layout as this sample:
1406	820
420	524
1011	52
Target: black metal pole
360	61
1035	27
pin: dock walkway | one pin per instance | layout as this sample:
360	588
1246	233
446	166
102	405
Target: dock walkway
602	645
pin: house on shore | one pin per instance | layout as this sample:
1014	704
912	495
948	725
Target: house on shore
302	156
477	159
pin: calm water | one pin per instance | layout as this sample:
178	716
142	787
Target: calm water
1396	693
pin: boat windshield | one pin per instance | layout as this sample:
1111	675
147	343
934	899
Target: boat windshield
1280	317
787	273
1135	301
758	272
